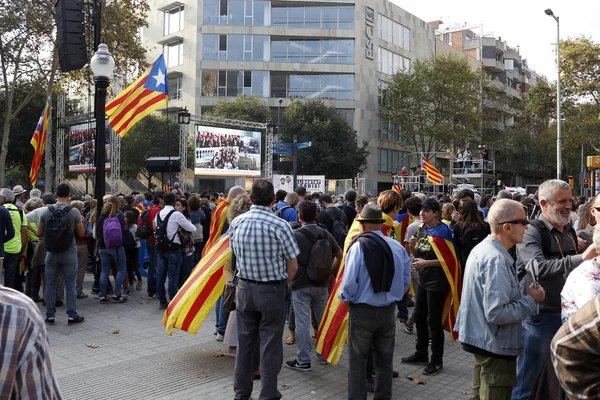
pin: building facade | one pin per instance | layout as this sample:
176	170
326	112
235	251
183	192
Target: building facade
339	51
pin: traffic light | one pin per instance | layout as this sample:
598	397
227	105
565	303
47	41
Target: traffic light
586	183
70	35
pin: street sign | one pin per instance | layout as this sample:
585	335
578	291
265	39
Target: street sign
282	149
304	145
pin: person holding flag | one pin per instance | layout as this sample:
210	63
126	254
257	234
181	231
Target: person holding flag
439	287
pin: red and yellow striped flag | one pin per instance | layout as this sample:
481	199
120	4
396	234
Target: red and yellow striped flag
444	250
148	93
217	222
38	141
433	175
189	308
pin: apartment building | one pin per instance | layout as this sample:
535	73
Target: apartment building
343	52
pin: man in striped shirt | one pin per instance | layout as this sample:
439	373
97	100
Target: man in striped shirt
26	371
265	250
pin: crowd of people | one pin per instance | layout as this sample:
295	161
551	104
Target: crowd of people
515	279
206	139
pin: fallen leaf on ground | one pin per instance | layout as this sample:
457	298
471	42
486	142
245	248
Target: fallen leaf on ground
93	345
415	380
467	393
219	354
285	387
116	332
143	302
203	375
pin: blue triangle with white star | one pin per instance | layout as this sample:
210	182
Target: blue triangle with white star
157	78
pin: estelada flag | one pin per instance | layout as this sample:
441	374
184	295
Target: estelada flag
440	238
193	302
433	175
38	141
396	186
217	222
147	94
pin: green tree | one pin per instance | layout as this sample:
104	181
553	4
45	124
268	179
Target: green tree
335	151
436	105
243	108
580	69
151	137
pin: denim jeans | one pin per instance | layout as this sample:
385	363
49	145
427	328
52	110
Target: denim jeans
108	258
260	314
169	263
187	263
304	299
67	263
538	332
152	267
403	307
371	329
428	318
222	317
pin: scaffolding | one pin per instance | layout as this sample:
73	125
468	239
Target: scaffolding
477	175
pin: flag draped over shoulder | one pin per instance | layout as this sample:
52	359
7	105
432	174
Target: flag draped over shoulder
404	220
433	175
147	94
188	309
440	238
38	141
333	330
217	222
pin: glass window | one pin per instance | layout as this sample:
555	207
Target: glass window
295	51
346	17
260	83
278	85
329	51
232	84
173	54
209	47
393	32
248	12
346	87
279	16
222	87
279	50
174	84
383	163
329	18
209	83
391	63
312	17
236	12
211	12
262	13
313	51
173	20
330	86
261	48
235	47
295	17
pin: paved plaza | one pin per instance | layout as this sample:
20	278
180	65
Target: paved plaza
136	359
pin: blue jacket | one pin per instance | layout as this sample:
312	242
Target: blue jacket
289	214
492	306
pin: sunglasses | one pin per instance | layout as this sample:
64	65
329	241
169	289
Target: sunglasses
523	222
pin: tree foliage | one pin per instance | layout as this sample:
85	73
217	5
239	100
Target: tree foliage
151	137
335	151
243	108
580	69
437	104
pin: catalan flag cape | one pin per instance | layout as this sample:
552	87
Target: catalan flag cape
38	141
147	94
396	186
217	222
200	292
433	175
391	228
440	238
333	330
404	220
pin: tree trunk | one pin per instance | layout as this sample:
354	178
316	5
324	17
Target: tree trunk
4	147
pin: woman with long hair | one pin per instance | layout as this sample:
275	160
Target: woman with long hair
586	224
469	231
447	210
111	253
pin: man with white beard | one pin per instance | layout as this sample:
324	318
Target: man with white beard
552	242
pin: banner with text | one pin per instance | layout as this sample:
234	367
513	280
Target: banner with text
312	183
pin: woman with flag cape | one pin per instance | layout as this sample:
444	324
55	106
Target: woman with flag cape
439	287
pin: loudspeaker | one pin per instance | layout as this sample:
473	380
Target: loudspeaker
70	35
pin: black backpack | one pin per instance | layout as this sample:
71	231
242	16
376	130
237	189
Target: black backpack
129	241
470	238
339	230
319	263
144	229
163	243
279	212
58	232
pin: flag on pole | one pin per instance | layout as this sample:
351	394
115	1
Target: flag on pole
147	94
217	223
38	141
433	175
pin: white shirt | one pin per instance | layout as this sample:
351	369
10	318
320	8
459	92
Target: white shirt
582	285
175	221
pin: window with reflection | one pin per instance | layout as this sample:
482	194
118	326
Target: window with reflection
393	32
235	47
332	17
313	51
389	62
235	83
388	130
324	86
237	12
174	83
173	53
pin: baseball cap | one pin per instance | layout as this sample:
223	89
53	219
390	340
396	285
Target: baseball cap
432	204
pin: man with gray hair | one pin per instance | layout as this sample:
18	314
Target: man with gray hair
492	303
552	243
504	194
35	194
14	249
